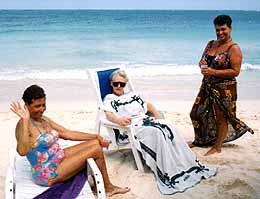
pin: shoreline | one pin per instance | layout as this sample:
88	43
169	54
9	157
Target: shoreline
154	88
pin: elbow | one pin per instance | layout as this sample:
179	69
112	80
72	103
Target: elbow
236	73
66	135
107	114
21	152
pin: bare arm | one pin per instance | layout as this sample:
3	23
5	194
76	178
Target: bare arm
22	135
235	61
151	108
118	120
67	134
202	59
22	130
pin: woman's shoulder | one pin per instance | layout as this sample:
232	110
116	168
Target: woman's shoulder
211	43
46	119
110	96
234	46
234	51
126	95
130	95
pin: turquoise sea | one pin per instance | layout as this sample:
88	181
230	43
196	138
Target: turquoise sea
61	44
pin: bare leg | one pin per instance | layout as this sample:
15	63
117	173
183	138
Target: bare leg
73	150
70	151
75	161
222	128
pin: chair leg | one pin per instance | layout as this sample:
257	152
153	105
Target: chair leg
138	160
137	157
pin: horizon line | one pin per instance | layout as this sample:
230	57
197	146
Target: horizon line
128	9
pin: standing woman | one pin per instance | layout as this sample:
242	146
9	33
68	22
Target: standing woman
214	109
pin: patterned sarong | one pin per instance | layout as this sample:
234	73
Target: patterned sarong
216	93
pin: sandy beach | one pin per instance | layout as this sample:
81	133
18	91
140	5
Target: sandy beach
72	104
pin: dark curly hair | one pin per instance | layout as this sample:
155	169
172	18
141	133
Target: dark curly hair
222	20
33	92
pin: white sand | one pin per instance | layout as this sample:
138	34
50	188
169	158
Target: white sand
72	104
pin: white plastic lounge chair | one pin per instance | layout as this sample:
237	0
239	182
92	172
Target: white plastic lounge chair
101	85
18	183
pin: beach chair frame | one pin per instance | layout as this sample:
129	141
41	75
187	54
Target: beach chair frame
102	121
19	171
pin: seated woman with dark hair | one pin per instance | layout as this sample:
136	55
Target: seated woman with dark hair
162	147
37	139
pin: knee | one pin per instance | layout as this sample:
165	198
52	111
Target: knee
95	142
193	115
97	148
193	112
220	116
221	121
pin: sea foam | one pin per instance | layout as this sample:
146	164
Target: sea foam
137	70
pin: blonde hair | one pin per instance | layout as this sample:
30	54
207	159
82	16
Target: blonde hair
120	73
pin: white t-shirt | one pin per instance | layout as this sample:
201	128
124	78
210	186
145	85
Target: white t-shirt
128	105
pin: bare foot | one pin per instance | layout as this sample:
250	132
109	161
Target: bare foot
117	190
190	144
213	150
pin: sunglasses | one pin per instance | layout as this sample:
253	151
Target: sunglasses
120	84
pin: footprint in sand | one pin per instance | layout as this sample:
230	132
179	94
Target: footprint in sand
257	170
217	161
237	184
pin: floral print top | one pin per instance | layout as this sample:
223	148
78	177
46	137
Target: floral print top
44	158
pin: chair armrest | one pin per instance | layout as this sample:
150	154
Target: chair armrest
9	183
161	113
9	179
101	193
110	124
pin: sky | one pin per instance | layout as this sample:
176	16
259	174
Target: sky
133	4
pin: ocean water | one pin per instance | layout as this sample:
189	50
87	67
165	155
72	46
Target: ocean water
57	44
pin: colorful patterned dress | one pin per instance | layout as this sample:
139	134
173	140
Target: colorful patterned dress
222	92
164	150
44	157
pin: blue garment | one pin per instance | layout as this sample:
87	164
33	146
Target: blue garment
44	157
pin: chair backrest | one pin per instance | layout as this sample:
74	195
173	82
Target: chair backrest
101	81
104	81
101	84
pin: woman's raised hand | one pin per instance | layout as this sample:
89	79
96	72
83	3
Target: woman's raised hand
18	110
